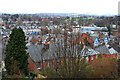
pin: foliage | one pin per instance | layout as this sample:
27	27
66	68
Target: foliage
16	55
99	55
118	67
70	68
49	72
86	42
104	68
74	69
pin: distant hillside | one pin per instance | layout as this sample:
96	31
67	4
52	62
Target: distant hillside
59	14
56	14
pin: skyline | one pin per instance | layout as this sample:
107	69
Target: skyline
96	7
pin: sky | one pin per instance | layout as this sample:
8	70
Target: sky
98	7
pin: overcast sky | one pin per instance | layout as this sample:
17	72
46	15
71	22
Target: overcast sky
98	7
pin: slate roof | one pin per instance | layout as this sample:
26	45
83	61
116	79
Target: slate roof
116	47
103	49
88	51
93	38
35	52
37	55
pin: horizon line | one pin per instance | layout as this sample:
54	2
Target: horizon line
92	14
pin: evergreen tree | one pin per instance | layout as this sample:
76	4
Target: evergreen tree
16	55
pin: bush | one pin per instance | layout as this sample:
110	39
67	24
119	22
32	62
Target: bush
70	68
104	68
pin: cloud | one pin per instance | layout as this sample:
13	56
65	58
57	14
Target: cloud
60	6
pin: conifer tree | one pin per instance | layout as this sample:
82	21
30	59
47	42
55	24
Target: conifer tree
16	55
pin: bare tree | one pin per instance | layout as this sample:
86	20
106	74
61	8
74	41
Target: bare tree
68	62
